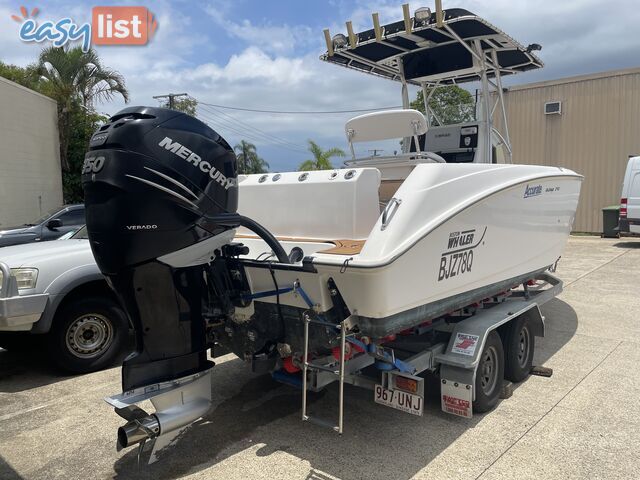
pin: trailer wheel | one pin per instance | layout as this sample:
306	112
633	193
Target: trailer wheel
519	345
489	374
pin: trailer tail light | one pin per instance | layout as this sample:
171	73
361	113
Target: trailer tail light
623	208
407	384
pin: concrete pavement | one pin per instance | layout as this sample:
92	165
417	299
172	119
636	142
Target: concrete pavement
583	422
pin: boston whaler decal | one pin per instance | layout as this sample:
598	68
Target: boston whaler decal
458	258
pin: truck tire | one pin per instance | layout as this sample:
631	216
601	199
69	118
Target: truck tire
519	345
489	375
88	334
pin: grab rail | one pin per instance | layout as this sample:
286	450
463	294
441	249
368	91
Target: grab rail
387	214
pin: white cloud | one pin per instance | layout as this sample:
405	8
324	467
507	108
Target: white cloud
279	39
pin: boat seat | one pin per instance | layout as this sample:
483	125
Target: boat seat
385	125
325	204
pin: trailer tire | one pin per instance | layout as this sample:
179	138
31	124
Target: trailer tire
489	374
519	346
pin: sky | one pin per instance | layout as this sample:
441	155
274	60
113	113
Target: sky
264	55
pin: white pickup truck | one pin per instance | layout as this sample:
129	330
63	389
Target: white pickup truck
55	290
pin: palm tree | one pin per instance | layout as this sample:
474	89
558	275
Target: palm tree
321	158
76	79
248	159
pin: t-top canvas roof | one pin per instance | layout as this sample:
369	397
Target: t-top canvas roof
432	54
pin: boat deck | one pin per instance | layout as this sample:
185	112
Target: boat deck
340	247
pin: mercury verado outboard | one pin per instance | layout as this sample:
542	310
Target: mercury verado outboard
161	197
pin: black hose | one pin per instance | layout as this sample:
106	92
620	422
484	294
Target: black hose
266	236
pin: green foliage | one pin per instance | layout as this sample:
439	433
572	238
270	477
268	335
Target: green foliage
84	124
321	158
76	77
25	76
450	104
76	80
188	105
248	159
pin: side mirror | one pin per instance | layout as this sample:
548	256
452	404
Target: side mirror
53	224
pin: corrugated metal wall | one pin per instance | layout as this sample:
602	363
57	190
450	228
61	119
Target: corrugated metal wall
597	131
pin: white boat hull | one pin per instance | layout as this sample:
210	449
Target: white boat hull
459	228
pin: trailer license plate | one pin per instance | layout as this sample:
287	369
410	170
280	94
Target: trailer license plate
404	401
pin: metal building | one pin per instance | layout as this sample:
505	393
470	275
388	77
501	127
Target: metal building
589	123
30	177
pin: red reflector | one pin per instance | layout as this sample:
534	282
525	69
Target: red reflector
407	384
623	207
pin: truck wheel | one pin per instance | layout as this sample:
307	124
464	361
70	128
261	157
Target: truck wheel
489	374
88	335
519	345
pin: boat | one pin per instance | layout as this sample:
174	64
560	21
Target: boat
314	276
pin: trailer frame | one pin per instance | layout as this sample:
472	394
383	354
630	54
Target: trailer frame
455	360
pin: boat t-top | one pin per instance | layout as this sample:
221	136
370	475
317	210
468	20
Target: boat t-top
432	261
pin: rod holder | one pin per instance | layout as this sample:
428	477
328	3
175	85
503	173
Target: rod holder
376	26
327	38
352	36
407	17
439	14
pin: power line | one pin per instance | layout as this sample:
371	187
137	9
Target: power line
298	112
267	135
245	129
221	125
249	133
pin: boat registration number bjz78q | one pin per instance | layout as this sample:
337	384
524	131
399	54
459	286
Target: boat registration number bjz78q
431	263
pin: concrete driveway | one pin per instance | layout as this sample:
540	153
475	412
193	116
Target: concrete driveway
584	422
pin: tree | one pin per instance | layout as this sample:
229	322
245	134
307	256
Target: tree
83	125
188	105
450	104
25	76
321	158
76	79
248	159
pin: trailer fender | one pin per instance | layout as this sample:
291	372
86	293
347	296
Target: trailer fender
459	361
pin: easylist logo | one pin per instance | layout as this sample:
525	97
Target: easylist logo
195	160
109	26
122	25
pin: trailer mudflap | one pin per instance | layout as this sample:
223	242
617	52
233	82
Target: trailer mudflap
456	398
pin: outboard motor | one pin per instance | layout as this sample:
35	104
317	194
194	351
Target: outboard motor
161	196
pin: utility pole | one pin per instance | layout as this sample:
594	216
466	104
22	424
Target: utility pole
171	96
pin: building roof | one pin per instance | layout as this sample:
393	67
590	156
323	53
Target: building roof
577	78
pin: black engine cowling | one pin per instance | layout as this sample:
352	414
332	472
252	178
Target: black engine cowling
156	182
